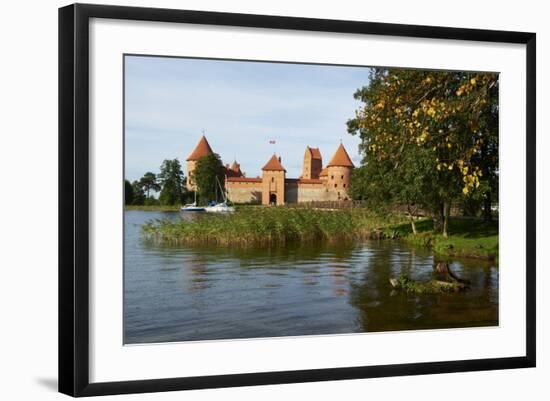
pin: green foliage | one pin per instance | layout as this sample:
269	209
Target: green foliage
139	193
149	182
128	193
430	287
171	180
428	138
207	170
151	201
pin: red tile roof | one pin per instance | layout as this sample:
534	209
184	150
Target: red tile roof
202	149
234	170
243	179
273	164
315	153
340	158
324	172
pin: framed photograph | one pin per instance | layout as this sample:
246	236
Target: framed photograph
251	199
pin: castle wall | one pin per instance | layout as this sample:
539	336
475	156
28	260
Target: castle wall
299	192
295	191
244	192
312	193
291	192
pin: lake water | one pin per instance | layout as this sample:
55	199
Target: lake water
206	293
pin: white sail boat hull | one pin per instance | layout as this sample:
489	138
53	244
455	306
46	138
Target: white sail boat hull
219	208
192	207
222	206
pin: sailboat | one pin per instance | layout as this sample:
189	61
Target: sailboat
222	206
192	207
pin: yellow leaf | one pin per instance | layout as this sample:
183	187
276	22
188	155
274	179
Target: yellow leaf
465	190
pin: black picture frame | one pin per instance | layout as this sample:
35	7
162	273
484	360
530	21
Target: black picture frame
74	200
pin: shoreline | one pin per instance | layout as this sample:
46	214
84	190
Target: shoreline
152	208
470	238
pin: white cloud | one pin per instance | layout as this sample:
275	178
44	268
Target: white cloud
241	105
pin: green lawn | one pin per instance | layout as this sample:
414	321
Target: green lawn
472	238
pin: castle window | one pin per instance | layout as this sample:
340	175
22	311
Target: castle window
332	177
344	185
272	179
342	177
335	185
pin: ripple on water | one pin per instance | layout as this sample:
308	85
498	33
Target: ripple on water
202	293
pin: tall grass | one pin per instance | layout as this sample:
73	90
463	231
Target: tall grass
269	226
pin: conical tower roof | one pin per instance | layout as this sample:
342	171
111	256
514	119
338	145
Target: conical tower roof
273	164
340	158
202	149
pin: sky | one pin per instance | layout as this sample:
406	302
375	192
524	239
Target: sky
241	106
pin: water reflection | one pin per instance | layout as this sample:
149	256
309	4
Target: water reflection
179	293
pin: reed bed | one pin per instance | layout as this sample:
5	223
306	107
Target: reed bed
266	226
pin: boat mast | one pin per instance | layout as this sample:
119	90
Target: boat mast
221	190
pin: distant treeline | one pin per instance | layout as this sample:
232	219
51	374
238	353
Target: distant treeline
170	182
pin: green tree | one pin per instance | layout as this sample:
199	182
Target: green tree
432	134
149	182
171	180
128	193
209	176
139	193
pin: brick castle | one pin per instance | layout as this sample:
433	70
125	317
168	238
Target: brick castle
273	187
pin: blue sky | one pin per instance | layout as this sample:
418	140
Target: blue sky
241	106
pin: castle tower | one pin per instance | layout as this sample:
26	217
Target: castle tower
235	170
202	149
313	163
273	182
338	173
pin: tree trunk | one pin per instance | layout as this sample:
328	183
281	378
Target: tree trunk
487	213
444	272
446	214
438	218
411	217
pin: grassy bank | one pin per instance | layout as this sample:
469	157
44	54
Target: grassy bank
472	238
257	225
270	225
